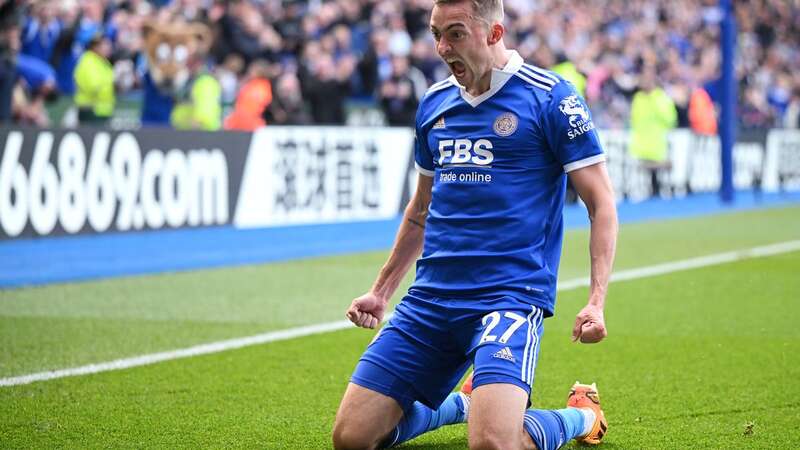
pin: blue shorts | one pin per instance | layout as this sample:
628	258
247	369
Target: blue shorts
426	348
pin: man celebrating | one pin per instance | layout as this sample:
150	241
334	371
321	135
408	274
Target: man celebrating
495	143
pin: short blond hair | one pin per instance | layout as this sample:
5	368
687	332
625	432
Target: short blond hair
489	10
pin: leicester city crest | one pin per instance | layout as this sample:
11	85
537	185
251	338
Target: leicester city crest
505	124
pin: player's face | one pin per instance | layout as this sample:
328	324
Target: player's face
461	41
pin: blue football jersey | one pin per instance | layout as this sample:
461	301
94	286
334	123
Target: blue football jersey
499	163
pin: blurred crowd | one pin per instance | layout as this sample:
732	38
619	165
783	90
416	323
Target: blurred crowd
257	62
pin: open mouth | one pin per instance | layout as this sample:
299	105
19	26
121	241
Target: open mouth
458	68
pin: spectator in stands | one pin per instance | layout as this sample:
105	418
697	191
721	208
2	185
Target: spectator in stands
416	15
68	47
424	58
327	86
76	35
228	74
702	115
399	40
288	107
242	31
24	80
128	45
253	99
754	112
201	108
567	69
653	115
41	31
39	34
792	118
94	81
9	47
398	94
680	95
37	82
39	77
375	66
779	94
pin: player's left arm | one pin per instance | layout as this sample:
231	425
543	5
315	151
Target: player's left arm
570	132
593	185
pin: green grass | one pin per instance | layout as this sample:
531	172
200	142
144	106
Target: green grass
64	325
692	358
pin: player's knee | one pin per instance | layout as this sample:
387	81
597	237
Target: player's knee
488	443
348	437
492	440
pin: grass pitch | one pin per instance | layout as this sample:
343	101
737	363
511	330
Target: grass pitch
696	359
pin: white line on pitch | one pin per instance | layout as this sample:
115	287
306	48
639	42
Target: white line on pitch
691	263
230	344
203	349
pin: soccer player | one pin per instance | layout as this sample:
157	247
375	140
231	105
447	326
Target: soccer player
494	145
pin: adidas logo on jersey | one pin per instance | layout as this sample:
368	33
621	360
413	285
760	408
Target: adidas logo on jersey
439	124
505	353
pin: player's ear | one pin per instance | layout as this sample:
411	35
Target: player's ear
496	32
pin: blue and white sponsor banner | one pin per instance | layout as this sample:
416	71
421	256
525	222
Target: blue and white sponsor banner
56	182
768	161
91	181
324	174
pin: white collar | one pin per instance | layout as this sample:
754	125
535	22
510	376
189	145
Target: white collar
498	80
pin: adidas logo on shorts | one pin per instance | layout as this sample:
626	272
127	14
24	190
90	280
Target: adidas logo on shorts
505	353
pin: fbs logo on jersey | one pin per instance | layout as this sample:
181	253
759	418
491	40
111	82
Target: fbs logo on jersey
505	124
577	114
439	124
464	151
505	353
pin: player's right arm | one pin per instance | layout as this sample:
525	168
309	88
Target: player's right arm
367	310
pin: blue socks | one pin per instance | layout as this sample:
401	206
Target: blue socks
421	419
550	429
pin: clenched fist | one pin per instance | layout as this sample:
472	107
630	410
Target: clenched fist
590	326
367	311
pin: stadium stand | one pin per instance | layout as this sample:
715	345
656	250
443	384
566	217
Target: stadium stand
370	54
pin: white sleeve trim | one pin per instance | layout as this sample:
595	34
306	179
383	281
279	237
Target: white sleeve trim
424	171
585	162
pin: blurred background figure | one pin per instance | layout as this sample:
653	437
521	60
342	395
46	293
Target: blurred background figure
242	30
41	30
254	97
9	47
202	108
701	113
792	119
228	74
326	85
37	82
400	93
288	107
569	72
653	115
94	81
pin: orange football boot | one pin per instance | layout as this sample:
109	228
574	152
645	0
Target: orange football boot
466	388
586	396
